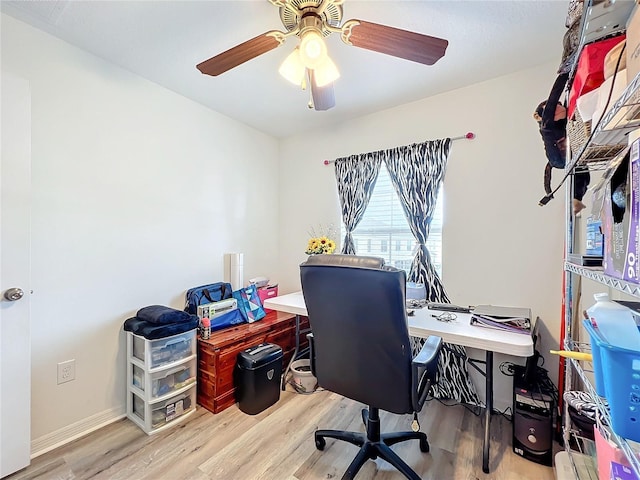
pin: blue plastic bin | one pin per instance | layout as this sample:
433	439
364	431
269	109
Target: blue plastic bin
620	385
597	342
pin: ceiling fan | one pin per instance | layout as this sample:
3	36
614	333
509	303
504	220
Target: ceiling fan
311	20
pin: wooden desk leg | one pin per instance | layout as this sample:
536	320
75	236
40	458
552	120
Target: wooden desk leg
294	356
487	413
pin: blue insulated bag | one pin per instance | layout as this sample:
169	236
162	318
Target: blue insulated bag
206	294
233	317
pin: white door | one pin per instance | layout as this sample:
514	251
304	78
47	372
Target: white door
15	275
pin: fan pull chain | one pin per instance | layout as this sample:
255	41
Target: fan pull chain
310	105
415	425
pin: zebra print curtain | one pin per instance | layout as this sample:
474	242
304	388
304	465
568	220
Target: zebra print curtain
356	176
416	172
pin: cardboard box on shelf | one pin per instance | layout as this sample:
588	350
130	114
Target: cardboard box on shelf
620	218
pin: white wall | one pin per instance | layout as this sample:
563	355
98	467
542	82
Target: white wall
499	246
137	194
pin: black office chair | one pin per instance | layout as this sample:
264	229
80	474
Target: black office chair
360	349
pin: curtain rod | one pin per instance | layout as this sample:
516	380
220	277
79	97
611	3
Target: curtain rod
467	136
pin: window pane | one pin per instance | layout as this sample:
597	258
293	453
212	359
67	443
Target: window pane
385	231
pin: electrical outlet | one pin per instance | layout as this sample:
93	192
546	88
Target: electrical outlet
66	371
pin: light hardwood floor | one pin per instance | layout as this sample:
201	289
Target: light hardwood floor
278	444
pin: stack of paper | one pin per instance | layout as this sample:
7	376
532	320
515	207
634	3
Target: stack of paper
509	319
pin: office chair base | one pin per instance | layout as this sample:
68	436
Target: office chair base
373	445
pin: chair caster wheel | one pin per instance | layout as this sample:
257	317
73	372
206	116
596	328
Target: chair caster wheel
320	443
424	446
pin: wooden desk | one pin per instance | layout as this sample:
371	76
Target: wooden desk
217	355
459	332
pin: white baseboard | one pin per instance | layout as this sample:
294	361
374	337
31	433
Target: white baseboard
67	434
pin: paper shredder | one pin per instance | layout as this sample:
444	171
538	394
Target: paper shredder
258	372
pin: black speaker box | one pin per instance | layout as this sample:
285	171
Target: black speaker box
532	420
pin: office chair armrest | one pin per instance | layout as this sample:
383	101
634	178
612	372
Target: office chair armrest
424	370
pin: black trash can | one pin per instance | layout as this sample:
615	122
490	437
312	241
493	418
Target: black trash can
258	372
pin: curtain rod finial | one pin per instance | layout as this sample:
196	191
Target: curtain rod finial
470	135
326	162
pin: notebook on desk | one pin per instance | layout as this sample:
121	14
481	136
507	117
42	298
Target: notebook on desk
510	319
503	312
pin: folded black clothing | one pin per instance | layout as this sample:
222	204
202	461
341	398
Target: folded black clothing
161	315
153	331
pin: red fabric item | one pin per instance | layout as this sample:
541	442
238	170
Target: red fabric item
590	70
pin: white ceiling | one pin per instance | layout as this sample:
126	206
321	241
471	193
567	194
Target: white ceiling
163	41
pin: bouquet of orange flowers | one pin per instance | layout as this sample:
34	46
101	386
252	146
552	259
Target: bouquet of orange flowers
321	243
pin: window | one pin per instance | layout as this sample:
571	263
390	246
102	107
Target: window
384	226
403	264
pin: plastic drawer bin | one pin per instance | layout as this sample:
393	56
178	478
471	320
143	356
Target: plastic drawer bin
156	353
596	348
166	381
167	411
620	385
258	372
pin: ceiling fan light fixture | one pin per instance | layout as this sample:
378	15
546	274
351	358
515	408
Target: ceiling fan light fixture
326	73
313	50
292	68
311	21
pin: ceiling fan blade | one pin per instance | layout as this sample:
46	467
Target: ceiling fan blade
412	46
241	53
323	97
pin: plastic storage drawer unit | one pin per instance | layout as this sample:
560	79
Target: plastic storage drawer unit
155	353
258	372
164	382
161	380
162	413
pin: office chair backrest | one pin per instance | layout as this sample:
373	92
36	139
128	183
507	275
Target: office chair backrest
357	312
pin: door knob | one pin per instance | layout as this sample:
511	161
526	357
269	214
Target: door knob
13	294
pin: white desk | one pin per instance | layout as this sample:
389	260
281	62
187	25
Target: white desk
290	303
459	332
